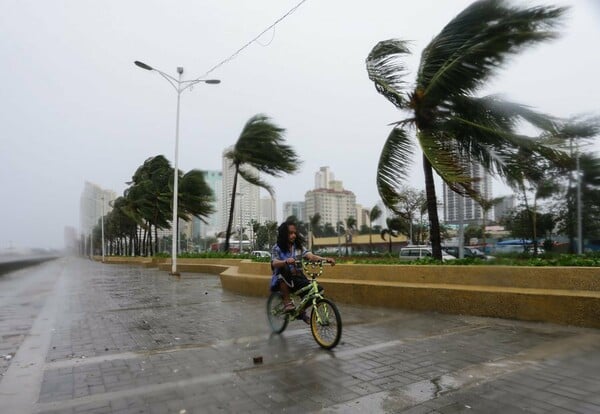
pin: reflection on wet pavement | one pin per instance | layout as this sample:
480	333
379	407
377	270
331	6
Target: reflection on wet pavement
128	339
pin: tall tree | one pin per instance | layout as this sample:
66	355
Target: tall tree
315	228
410	202
394	227
453	126
374	214
260	146
350	225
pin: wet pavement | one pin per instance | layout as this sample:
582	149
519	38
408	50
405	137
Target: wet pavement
83	337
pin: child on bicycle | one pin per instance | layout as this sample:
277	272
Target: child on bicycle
286	259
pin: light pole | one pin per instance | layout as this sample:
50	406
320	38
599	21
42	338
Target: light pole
179	86
240	195
579	226
338	198
102	228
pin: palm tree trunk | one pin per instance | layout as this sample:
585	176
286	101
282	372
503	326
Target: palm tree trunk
531	218
155	239
434	223
370	241
230	221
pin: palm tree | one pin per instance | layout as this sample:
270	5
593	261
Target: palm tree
195	196
486	205
394	226
350	224
315	228
261	147
454	127
374	214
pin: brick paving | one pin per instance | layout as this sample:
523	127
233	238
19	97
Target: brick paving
132	340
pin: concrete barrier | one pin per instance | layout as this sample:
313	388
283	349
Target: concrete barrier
561	295
15	263
564	295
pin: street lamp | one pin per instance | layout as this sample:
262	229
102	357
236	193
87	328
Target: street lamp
179	86
240	195
102	229
338	198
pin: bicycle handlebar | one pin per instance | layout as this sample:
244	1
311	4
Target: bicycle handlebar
314	268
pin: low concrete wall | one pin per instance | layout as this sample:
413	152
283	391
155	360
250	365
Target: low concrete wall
550	294
12	264
565	295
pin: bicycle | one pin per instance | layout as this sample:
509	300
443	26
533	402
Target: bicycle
325	319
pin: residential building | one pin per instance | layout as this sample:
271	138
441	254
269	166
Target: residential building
213	223
503	208
295	208
247	199
323	177
472	211
93	204
332	205
268	209
361	216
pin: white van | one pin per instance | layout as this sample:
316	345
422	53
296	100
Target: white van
418	252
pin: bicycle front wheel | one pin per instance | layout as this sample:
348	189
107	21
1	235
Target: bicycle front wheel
326	323
276	315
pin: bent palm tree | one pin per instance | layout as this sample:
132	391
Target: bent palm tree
260	146
453	127
374	214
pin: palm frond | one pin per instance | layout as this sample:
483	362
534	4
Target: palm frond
476	44
252	178
261	144
447	160
387	70
485	128
394	165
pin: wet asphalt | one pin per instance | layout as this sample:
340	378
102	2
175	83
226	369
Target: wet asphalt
84	337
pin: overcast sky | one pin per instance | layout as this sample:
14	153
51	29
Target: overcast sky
73	107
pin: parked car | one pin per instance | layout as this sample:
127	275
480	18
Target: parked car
418	252
540	250
261	253
467	252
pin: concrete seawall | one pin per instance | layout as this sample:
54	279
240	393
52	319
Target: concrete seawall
564	295
12	264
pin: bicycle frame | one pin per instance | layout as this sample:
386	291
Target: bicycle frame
313	294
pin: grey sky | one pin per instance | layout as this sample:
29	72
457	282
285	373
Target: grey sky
75	108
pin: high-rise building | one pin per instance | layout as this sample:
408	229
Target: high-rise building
323	177
93	203
472	211
332	205
213	223
247	199
268	209
361	216
507	204
295	208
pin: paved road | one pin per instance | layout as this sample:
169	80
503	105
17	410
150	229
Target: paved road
91	338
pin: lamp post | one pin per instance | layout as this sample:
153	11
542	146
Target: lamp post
338	198
579	226
179	86
102	228
240	195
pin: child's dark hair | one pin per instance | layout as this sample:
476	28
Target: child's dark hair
283	236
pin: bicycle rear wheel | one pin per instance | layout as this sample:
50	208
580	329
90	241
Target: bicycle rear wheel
278	319
326	323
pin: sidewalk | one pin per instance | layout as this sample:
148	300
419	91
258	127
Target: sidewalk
125	339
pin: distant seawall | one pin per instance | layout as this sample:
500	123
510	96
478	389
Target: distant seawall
9	264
